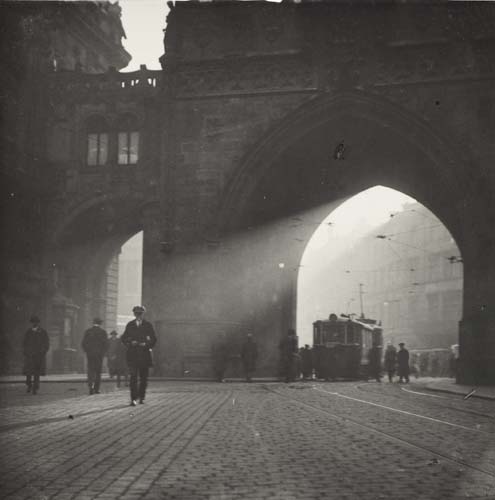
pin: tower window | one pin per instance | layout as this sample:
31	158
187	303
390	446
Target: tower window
128	142
97	142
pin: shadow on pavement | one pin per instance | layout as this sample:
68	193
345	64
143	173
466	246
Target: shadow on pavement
23	425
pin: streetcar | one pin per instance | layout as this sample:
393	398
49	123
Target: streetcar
341	345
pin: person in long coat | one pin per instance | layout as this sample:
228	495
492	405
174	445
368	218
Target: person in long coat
306	362
95	345
35	346
375	362
139	338
390	360
403	363
116	356
289	354
249	355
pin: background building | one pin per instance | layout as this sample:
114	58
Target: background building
41	40
407	273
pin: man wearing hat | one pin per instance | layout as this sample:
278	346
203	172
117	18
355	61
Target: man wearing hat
403	363
117	365
35	346
139	338
95	345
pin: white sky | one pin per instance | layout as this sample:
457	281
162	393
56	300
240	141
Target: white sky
144	21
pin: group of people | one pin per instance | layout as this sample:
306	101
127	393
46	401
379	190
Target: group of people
298	363
96	344
138	340
131	353
393	361
221	355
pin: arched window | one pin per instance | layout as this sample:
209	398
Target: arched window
128	141
97	141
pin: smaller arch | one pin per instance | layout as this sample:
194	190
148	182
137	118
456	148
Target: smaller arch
134	199
96	123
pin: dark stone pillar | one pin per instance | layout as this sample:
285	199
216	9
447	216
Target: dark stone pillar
477	328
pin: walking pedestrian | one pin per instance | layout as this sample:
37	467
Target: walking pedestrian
35	346
289	355
249	355
453	360
390	361
375	362
139	338
403	363
306	362
117	365
95	345
220	356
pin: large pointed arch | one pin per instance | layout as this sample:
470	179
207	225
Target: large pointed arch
373	119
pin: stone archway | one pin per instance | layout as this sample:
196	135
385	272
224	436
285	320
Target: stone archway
367	125
293	171
79	263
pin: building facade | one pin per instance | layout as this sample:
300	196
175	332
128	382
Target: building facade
42	41
262	112
406	273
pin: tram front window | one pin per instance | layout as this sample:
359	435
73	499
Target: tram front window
334	334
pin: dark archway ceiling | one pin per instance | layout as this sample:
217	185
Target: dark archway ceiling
307	174
102	222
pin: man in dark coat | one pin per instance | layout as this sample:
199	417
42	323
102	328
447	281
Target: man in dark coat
95	345
117	364
403	363
306	362
289	354
390	360
35	346
375	362
249	355
139	338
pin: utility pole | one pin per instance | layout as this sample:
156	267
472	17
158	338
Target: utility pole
361	298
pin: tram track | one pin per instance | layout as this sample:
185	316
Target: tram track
360	387
374	430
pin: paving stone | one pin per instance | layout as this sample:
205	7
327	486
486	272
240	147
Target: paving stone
275	442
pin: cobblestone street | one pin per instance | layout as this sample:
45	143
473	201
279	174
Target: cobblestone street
255	441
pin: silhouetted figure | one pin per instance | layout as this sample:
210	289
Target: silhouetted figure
117	365
35	346
249	355
423	364
4	354
390	361
414	365
95	345
306	362
453	360
220	356
375	362
403	363
139	338
289	355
